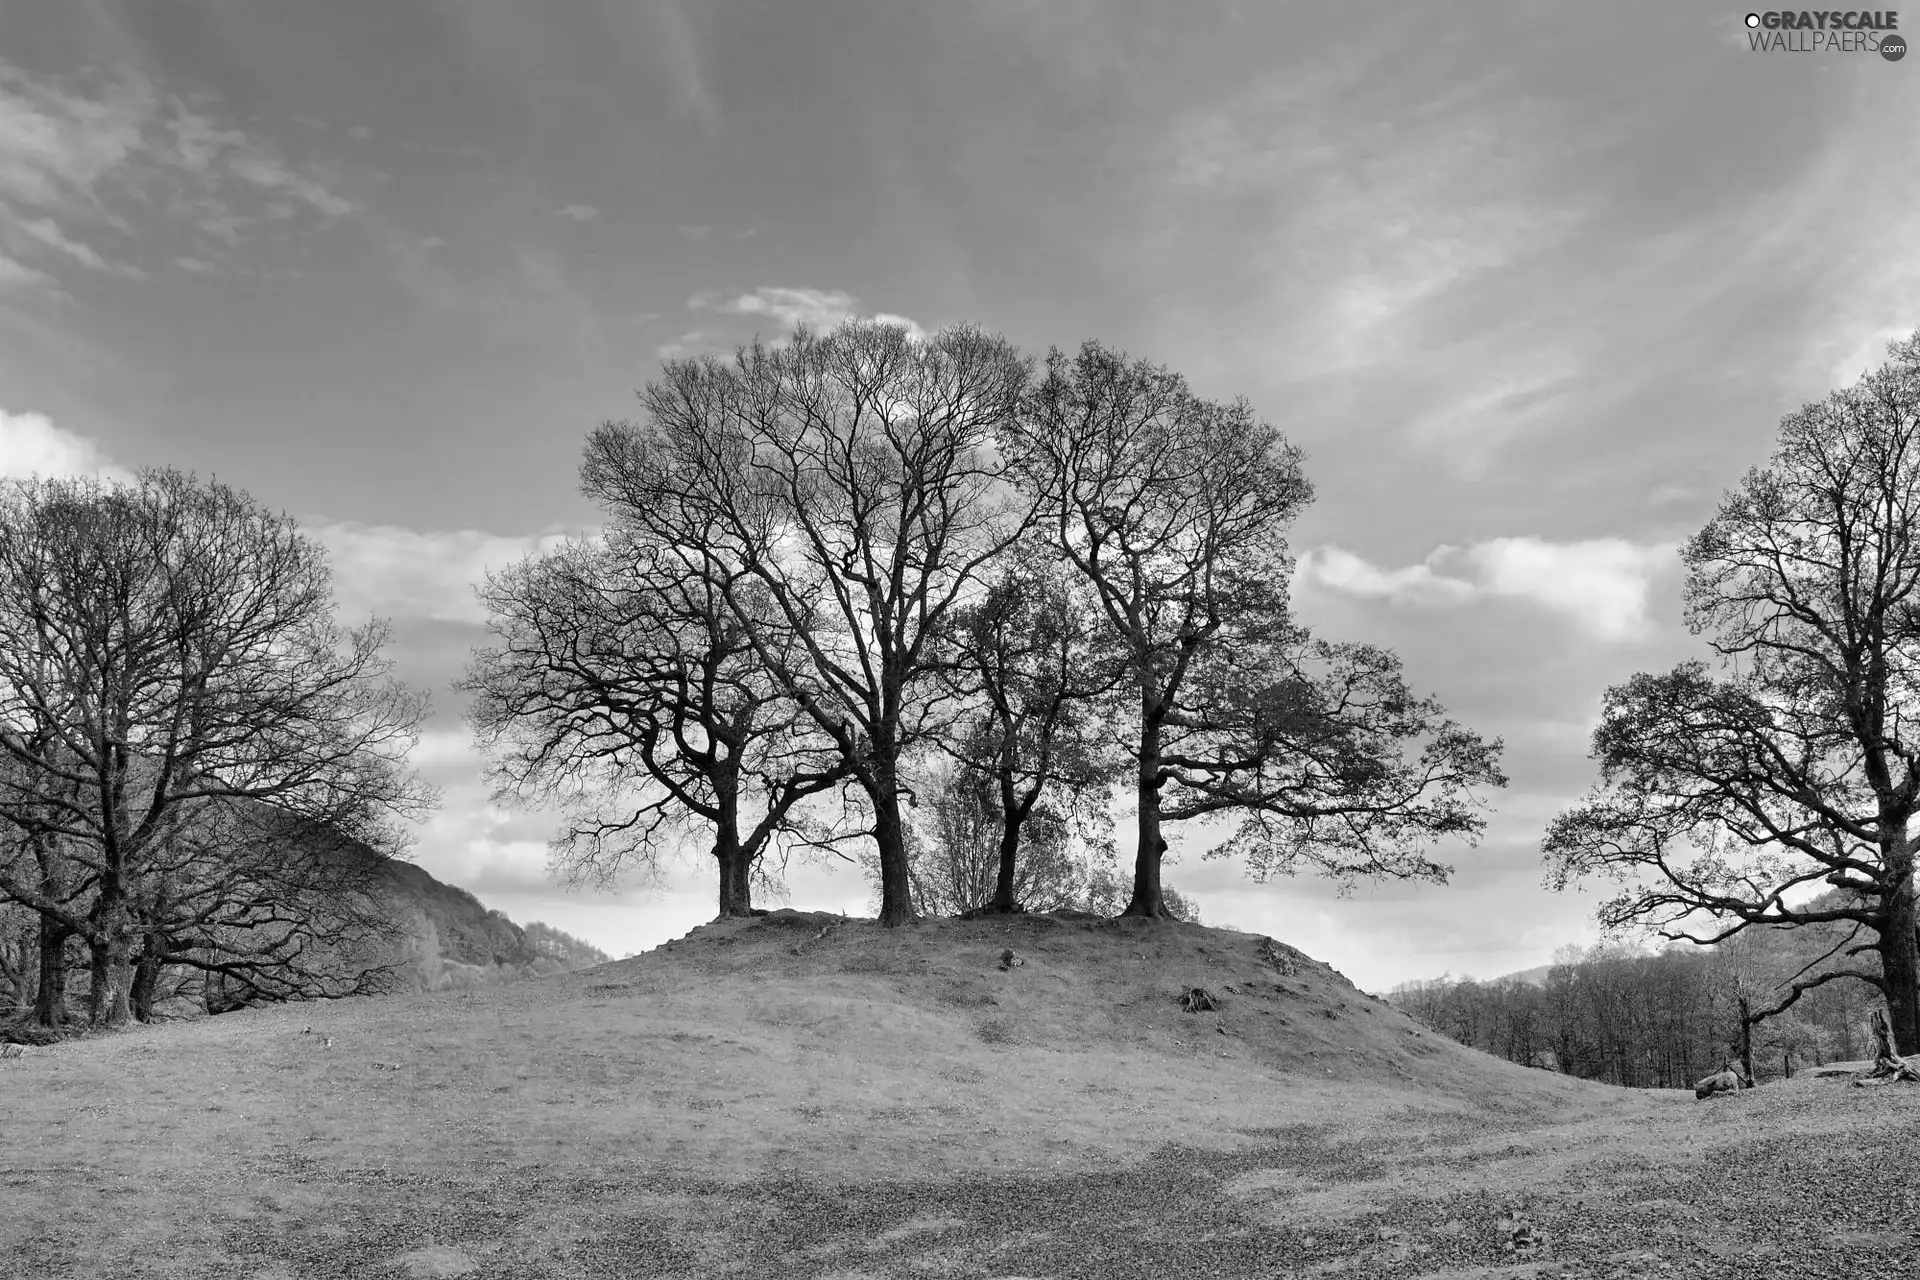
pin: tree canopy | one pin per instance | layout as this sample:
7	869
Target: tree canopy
170	669
1174	510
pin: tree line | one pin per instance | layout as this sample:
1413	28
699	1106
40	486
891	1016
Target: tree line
190	746
1642	1018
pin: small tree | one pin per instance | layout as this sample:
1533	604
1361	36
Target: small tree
1030	659
1726	799
1173	511
166	647
621	670
956	851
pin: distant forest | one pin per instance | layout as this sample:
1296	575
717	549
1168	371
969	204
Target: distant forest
1662	1019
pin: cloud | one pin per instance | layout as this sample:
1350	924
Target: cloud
578	212
387	571
47	232
20	275
695	343
1343	571
791	308
263	170
56	145
1868	356
1343	214
1602	585
677	52
82	159
30	444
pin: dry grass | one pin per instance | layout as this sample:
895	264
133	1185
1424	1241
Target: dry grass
804	1097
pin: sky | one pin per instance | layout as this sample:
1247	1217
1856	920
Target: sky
1532	284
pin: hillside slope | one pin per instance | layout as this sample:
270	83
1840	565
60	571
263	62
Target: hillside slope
803	1095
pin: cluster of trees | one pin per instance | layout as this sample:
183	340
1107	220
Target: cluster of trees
935	606
1660	1019
193	754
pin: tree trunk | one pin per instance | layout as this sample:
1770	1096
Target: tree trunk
890	834
146	982
109	998
1900	962
736	876
1150	844
1886	1060
50	996
1003	902
111	966
1746	1036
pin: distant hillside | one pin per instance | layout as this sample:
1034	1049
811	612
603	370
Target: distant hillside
452	938
1534	977
553	944
466	930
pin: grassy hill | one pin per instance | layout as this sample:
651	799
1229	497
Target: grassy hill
807	1096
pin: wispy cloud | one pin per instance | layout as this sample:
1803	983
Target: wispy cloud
1363	224
46	232
270	174
791	308
19	275
676	51
578	212
1603	585
116	156
56	144
696	343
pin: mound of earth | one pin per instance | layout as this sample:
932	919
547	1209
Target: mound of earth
1081	984
803	1094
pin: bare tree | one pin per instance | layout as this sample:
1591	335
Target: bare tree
1174	510
167	646
1725	799
622	669
853	477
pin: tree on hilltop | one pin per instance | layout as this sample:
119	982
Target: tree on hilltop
624	688
847	493
1033	669
1728	794
1173	510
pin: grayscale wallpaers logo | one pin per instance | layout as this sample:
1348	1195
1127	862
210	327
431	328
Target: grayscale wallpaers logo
1827	31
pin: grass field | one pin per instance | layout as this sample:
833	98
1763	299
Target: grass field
805	1097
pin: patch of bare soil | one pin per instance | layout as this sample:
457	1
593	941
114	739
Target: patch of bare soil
810	1097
